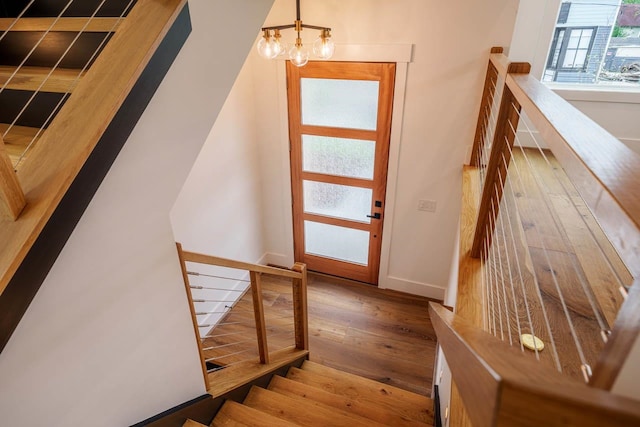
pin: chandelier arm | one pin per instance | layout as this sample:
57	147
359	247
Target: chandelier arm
315	27
279	27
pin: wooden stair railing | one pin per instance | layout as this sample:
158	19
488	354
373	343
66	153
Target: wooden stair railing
501	387
228	376
63	159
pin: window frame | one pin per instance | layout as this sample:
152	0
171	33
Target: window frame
564	48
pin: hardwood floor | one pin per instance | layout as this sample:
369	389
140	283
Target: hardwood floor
382	335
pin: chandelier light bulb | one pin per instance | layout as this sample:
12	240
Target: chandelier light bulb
267	47
298	54
324	47
279	46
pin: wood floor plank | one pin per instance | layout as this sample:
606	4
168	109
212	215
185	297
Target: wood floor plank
375	413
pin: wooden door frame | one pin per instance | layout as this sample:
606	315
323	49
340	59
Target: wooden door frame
385	73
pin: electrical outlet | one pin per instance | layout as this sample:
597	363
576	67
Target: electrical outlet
427	205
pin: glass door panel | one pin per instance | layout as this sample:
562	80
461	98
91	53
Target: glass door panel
351	104
337	201
339	243
338	156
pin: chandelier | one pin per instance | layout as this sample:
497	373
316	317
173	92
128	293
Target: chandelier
271	45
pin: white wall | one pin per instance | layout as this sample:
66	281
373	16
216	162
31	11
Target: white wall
444	83
108	339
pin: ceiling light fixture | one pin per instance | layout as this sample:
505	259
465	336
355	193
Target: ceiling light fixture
271	46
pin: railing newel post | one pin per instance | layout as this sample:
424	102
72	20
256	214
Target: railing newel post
300	307
258	311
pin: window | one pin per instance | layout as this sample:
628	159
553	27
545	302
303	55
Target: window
596	42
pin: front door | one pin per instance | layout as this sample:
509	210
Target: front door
339	129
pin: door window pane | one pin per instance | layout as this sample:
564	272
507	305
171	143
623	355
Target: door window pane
338	156
351	104
338	201
331	241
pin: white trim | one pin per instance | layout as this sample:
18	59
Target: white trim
415	288
596	93
392	174
280	260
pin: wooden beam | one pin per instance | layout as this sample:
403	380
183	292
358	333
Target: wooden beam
258	311
228	263
488	93
194	319
11	194
300	314
62	24
40	79
501	386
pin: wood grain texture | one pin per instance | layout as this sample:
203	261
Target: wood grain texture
227	379
373	412
300	308
69	140
624	335
19	142
499	385
300	411
234	414
194	319
603	169
62	24
488	92
258	312
34	79
223	262
11	194
398	401
191	423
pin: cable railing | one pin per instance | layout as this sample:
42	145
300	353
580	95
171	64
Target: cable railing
551	279
37	77
240	317
67	69
550	249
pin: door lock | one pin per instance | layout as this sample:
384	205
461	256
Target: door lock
374	216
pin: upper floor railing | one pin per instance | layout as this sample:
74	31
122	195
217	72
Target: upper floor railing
550	238
75	76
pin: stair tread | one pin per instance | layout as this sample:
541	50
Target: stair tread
375	413
96	24
18	139
234	414
61	80
191	423
405	403
301	411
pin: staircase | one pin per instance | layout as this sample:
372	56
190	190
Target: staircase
316	395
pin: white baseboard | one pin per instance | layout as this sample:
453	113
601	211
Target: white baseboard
411	287
278	259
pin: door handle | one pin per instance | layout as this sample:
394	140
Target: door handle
374	216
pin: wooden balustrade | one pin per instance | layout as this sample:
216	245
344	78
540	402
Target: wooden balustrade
502	387
238	373
11	195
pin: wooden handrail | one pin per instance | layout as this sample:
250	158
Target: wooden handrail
64	148
11	195
229	263
502	387
603	169
298	276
